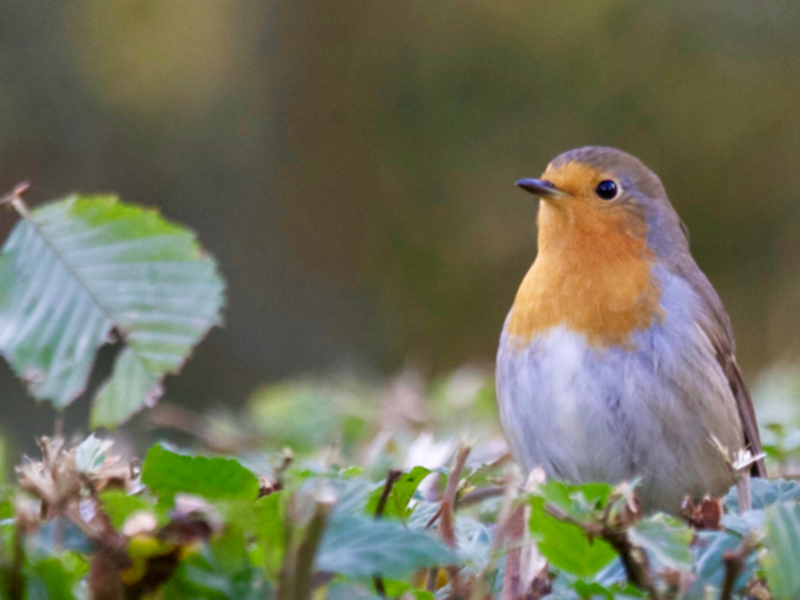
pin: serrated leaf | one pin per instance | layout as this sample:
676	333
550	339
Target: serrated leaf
167	473
565	545
666	539
782	544
73	271
361	547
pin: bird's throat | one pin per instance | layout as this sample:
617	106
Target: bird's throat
592	276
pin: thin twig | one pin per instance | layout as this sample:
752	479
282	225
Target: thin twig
432	579
304	562
481	494
514	531
734	565
15	195
434	518
446	528
391	478
743	492
447	518
634	560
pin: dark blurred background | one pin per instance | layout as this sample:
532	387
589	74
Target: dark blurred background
351	163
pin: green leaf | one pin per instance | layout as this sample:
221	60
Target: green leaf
565	545
119	506
167	473
782	543
580	502
401	494
73	271
666	539
204	575
308	414
592	590
270	530
404	489
52	579
360	547
396	589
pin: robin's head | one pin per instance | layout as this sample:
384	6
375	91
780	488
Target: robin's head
605	193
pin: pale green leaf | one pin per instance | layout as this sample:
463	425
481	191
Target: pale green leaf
361	547
666	539
73	271
782	543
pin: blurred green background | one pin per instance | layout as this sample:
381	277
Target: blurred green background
351	162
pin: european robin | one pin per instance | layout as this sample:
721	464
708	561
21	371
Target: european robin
616	361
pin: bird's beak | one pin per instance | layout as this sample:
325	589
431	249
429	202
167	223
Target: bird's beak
542	188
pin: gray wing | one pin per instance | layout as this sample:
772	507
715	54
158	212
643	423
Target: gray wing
717	326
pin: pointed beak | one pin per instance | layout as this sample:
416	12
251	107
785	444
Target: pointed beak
541	188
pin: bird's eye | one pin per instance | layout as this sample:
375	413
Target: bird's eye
607	190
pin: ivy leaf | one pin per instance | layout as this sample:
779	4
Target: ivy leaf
167	473
360	547
782	543
73	271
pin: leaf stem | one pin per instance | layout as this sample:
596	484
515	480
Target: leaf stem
391	478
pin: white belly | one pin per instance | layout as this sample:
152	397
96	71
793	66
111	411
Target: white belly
617	414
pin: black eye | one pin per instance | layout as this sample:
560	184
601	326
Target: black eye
607	190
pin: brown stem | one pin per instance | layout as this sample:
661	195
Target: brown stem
743	493
434	518
479	495
305	553
514	532
446	528
734	564
633	558
447	518
432	579
637	568
391	478
16	193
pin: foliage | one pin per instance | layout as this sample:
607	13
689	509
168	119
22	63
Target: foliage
73	271
365	501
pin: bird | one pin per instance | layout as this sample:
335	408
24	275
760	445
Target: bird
616	362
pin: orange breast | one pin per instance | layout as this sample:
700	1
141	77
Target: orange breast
592	275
